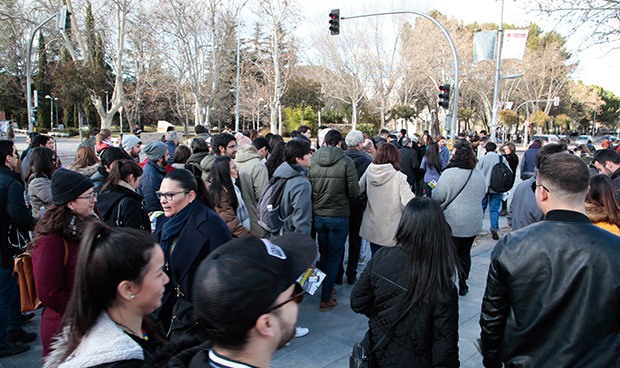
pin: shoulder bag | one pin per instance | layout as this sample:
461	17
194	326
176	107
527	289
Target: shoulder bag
460	190
360	358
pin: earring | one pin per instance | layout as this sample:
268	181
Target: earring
132	297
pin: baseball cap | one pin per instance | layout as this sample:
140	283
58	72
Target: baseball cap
241	279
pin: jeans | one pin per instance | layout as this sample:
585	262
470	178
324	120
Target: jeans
374	248
355	244
494	200
10	310
332	234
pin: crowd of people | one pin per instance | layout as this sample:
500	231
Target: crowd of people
132	257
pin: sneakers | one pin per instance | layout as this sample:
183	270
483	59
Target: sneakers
494	234
12	349
301	331
325	306
21	337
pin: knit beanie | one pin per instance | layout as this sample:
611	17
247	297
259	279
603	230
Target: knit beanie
67	185
112	154
130	141
170	136
155	150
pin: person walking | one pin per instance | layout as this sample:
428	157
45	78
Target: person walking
459	191
388	193
119	280
333	178
492	198
432	166
408	294
15	222
56	246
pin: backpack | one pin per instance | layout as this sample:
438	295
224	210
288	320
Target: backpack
268	207
502	178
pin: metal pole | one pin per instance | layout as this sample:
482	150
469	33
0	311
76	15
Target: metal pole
452	47
498	64
29	74
238	69
52	115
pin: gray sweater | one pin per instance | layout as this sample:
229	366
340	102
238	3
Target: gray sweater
464	214
486	164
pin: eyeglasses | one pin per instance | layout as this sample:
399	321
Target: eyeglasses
535	185
169	196
298	297
232	146
91	197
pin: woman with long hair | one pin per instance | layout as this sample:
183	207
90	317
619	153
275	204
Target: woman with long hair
119	280
432	166
39	172
388	193
602	205
411	286
86	161
226	196
275	159
119	203
103	140
56	245
188	231
460	191
181	155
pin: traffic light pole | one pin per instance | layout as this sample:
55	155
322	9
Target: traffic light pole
29	74
452	124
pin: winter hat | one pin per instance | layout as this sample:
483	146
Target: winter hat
155	150
170	136
67	185
130	141
112	154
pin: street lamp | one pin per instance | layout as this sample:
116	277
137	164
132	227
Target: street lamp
238	61
51	111
258	114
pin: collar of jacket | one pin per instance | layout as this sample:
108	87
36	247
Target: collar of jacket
567	216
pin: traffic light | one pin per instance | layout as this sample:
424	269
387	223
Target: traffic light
64	19
444	96
334	22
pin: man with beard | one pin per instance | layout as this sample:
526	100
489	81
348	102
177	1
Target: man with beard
133	146
246	298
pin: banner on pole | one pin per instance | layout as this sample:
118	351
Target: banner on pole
514	43
484	45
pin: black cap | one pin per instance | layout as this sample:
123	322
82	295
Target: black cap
241	279
67	185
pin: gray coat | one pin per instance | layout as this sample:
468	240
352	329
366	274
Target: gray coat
486	164
40	193
296	206
464	214
523	208
252	180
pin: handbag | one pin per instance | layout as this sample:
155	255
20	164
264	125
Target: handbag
22	268
182	321
360	358
460	190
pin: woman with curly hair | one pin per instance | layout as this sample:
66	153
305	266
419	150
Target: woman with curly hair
459	191
602	205
56	246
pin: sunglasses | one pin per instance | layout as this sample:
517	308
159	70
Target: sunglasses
534	186
297	297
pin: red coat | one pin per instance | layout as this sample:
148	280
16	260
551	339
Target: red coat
53	281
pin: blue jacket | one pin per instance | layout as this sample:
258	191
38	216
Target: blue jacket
151	180
14	214
171	148
528	162
203	232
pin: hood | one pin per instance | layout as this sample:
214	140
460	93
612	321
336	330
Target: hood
597	213
195	158
246	153
207	163
380	174
285	171
534	145
86	171
114	193
327	156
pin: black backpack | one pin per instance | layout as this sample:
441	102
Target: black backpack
502	178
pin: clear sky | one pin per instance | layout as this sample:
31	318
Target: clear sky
595	63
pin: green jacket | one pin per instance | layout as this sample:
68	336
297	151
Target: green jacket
334	180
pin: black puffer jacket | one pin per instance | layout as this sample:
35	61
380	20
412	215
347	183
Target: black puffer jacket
426	337
131	212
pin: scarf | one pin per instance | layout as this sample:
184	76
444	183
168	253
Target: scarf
172	228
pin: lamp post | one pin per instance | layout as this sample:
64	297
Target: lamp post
238	62
51	111
258	114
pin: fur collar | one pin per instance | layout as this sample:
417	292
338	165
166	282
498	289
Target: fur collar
104	343
597	213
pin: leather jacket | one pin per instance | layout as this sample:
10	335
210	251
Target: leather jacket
552	297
